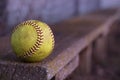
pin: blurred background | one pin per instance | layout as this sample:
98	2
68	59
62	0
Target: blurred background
13	12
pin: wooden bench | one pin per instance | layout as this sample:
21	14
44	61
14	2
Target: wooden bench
74	42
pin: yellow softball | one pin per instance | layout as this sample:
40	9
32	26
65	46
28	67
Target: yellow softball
32	40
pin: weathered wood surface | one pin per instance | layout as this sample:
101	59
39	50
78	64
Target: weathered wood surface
71	37
68	69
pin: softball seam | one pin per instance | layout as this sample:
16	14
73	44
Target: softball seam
39	40
51	34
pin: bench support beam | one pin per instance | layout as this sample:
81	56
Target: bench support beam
86	60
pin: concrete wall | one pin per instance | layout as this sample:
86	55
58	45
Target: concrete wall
13	12
109	3
50	11
86	6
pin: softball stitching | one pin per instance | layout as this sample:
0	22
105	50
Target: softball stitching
39	40
51	34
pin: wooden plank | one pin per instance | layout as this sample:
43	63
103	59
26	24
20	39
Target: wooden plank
104	12
71	39
101	41
80	43
95	17
68	69
10	71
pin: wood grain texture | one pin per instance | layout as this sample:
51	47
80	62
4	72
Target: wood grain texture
71	37
68	69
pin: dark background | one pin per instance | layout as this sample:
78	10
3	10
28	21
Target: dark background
13	12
